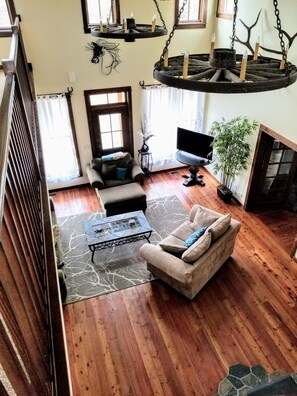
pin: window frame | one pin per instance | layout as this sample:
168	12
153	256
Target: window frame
7	32
221	13
201	18
87	26
122	107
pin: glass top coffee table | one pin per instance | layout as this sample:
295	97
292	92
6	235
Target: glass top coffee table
116	230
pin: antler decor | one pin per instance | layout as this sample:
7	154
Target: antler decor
249	30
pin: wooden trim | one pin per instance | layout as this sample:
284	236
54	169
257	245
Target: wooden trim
279	137
275	135
200	23
74	136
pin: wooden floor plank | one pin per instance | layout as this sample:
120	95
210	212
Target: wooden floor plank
149	340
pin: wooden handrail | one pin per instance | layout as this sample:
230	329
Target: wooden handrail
5	121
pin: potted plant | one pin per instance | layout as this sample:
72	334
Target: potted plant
145	132
232	151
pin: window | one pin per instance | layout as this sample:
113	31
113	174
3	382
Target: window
7	16
225	9
194	14
95	11
110	120
58	138
164	109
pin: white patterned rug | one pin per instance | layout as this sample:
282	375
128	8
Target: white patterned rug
118	267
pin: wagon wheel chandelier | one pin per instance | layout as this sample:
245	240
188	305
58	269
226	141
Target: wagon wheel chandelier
224	71
129	30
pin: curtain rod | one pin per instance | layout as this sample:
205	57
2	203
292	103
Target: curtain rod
144	86
69	92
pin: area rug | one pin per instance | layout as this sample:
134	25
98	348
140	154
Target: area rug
114	268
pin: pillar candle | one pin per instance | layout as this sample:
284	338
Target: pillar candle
186	65
243	66
282	62
154	23
166	58
213	39
125	26
256	53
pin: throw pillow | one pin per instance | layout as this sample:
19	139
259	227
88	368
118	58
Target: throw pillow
204	218
220	226
194	237
96	164
108	171
197	249
121	173
173	245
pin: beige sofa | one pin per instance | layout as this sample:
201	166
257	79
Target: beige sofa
188	269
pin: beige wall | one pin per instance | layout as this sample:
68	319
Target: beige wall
275	109
56	44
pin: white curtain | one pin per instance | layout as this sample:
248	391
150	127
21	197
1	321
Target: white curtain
164	109
59	151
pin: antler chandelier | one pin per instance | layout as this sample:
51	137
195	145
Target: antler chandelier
129	30
224	71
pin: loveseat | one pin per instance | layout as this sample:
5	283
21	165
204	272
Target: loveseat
209	238
114	170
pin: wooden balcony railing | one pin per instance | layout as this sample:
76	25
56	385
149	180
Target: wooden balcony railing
32	344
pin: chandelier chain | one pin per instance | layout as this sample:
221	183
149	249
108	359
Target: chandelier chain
234	23
171	34
280	32
160	14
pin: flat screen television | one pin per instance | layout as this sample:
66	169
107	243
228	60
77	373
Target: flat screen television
194	143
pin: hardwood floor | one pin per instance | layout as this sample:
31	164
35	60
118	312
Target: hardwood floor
149	340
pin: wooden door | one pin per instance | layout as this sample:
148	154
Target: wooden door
273	173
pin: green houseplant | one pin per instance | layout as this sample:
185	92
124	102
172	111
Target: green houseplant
232	151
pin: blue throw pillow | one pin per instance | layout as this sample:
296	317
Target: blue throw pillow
194	237
121	173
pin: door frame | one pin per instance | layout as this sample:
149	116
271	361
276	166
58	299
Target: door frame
248	204
128	139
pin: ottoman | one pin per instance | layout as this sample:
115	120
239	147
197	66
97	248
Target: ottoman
121	199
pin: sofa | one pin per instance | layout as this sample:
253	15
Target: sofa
189	257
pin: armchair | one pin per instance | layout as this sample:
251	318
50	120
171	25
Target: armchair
114	172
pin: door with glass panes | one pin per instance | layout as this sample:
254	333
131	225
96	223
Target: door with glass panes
274	171
110	120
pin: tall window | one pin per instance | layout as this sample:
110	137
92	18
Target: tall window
194	14
95	11
225	9
164	109
110	120
7	16
58	138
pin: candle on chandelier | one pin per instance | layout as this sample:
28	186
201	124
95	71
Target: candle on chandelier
166	58
283	62
125	26
154	23
101	26
213	39
243	66
132	15
256	53
186	65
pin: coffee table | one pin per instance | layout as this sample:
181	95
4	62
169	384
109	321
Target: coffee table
116	230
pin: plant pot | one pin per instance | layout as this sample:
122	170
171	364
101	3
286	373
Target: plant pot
224	193
144	148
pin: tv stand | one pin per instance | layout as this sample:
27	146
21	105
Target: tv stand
194	162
